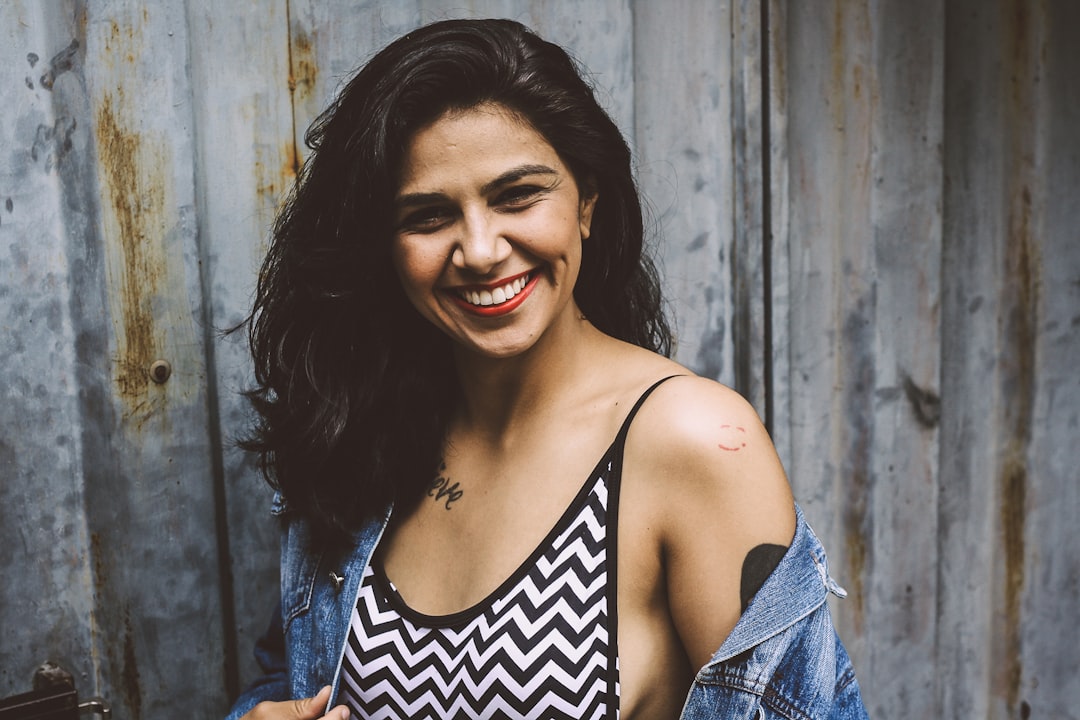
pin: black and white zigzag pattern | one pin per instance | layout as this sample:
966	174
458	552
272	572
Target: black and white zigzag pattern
540	647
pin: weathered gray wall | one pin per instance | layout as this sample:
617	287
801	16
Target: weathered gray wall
925	207
880	250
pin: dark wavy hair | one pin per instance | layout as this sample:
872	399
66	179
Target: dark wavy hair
354	389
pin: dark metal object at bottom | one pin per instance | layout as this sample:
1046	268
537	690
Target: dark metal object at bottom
53	698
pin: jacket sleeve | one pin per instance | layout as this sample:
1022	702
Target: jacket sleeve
270	655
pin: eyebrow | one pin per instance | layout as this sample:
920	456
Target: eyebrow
510	176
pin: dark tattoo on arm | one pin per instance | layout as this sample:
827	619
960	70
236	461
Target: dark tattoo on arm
441	488
756	569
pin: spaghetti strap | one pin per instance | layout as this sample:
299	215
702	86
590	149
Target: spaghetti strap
620	439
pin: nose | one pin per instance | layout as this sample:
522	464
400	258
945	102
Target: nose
482	245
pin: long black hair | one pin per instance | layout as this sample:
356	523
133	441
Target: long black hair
354	388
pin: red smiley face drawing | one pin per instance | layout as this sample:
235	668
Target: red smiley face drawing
732	438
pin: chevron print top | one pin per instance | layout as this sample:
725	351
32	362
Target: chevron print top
542	645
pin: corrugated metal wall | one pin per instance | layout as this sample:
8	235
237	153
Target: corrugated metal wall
881	251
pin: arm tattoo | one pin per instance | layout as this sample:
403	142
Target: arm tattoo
441	488
756	569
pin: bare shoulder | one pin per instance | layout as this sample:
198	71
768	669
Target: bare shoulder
692	423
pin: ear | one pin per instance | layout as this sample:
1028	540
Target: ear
585	212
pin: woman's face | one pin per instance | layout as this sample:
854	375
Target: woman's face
489	225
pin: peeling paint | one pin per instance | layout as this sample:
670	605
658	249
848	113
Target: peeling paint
925	404
60	63
53	143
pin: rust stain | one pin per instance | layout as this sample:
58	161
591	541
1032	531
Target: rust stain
856	551
1018	332
274	176
1013	506
778	63
291	165
136	203
303	68
857	449
838	55
135	180
100	576
130	671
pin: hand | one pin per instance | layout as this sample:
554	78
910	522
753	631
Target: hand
302	709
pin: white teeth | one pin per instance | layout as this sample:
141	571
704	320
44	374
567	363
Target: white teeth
497	296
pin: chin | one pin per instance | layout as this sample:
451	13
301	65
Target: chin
502	351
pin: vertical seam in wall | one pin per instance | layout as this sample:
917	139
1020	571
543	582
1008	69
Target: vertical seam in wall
230	662
766	221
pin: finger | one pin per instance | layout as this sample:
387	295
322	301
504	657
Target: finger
341	712
312	707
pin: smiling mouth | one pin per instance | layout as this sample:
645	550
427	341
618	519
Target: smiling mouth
496	300
497	296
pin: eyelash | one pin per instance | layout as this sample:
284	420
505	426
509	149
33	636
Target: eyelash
427	219
518	194
431	219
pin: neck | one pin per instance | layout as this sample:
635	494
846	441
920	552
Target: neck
498	394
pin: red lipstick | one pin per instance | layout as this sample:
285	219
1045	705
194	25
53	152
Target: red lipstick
500	308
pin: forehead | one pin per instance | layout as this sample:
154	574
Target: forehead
473	144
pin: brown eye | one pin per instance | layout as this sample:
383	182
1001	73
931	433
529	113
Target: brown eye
518	196
427	219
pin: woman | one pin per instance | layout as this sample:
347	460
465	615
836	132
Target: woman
500	498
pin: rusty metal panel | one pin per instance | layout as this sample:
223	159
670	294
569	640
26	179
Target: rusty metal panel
102	137
1010	406
925	194
242	109
1049	633
45	558
149	461
751	279
863	131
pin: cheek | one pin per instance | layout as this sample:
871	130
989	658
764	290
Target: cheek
417	268
554	236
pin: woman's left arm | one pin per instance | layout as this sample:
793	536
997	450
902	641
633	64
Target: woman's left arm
726	512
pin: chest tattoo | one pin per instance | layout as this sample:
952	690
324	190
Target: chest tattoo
440	488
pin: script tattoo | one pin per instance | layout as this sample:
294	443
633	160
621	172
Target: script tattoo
441	488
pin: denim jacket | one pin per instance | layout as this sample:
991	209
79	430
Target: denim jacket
782	660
